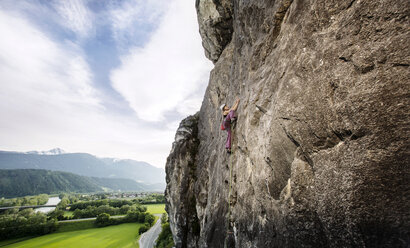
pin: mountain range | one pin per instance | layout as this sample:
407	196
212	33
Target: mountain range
84	164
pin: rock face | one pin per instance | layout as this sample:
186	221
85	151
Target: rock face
321	148
215	25
180	178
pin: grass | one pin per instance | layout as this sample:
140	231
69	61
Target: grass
12	241
68	213
85	234
151	208
75	225
155	208
124	235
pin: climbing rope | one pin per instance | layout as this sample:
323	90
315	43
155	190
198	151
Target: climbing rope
228	221
230	182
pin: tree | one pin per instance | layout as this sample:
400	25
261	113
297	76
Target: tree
164	218
143	229
102	220
124	209
141	217
25	223
57	214
77	214
165	237
63	203
26	212
149	218
133	216
105	209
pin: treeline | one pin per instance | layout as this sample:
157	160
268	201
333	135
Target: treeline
73	198
110	202
105	219
92	211
25	201
134	212
15	223
152	199
112	207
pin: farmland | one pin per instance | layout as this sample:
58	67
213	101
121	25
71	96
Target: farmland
124	235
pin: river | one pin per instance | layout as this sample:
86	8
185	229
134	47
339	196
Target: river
51	201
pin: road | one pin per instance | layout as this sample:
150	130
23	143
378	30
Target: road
148	238
52	202
31	206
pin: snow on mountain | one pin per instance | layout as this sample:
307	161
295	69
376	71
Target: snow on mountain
55	151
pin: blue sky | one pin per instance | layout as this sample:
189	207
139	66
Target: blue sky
111	78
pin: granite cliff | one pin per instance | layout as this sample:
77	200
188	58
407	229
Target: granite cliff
321	148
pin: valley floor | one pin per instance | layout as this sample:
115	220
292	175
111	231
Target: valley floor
84	234
124	235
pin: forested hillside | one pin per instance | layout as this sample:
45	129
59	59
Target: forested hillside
23	182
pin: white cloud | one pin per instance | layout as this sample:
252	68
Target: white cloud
48	100
47	91
129	18
75	16
31	61
168	73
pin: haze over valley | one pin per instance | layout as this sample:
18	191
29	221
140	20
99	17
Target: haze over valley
55	171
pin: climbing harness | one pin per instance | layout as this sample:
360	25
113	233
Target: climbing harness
222	126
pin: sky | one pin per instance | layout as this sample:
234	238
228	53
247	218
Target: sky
111	78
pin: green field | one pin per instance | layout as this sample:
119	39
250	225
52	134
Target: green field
151	208
84	234
75	225
124	235
155	208
12	241
68	213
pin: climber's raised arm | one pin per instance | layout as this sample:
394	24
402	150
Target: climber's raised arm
235	106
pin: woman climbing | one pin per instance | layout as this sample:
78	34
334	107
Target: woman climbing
229	117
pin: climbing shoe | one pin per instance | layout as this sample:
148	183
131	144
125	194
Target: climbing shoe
228	151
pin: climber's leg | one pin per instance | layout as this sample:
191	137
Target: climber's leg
228	140
227	125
